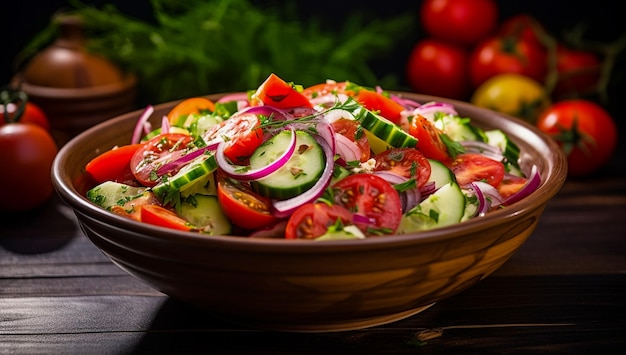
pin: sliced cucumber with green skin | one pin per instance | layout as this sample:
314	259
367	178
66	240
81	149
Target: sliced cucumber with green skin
111	193
459	129
194	171
444	207
390	133
440	174
205	213
301	171
510	150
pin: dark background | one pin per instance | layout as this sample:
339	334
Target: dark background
23	19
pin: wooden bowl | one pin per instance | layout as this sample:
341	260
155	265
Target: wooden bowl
304	286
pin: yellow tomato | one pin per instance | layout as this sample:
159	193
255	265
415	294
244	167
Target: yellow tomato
513	94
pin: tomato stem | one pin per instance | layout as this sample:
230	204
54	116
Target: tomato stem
10	95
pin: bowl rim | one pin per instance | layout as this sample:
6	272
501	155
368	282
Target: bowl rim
555	174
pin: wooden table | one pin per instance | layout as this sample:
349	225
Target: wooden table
563	292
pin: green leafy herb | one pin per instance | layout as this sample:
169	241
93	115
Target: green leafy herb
199	47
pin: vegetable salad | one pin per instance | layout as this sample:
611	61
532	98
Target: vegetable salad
332	161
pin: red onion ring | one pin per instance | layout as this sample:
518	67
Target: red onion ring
243	173
347	148
284	208
533	182
141	122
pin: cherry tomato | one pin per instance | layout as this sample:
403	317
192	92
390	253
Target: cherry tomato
585	131
26	155
132	208
428	139
276	92
514	94
312	220
242	206
113	164
156	152
351	129
498	55
161	216
15	107
193	105
510	185
373	198
386	107
469	167
578	70
241	133
463	22
522	26
438	68
406	162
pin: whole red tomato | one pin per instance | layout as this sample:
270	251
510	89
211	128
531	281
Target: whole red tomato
26	154
462	22
522	26
578	70
585	131
438	68
507	54
15	107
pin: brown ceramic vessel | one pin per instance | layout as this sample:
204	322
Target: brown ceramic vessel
305	286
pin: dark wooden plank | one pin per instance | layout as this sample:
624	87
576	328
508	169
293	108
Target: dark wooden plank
541	313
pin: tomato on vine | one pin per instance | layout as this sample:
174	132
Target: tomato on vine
585	131
16	107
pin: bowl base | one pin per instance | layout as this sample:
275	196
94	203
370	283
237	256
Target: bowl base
354	324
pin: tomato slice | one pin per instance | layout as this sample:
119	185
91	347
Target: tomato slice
312	220
371	197
386	107
154	153
242	135
161	216
407	162
469	167
242	206
113	165
276	92
192	105
429	139
132	209
327	88
351	129
510	185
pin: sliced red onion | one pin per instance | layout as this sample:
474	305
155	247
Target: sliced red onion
236	96
533	182
268	111
336	114
483	204
408	104
409	198
285	208
491	194
141	122
430	108
327	133
361	219
243	173
483	148
427	189
177	164
165	125
347	149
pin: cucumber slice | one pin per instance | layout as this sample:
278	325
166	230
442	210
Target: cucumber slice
111	193
388	132
444	207
459	129
301	171
510	150
440	174
205	213
197	170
